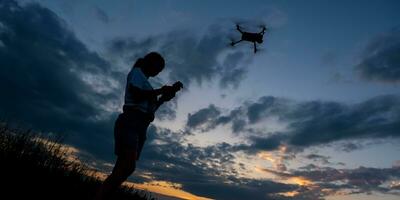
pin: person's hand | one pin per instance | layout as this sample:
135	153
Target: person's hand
167	96
168	92
166	89
177	86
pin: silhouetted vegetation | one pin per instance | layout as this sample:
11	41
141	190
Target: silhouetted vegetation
37	167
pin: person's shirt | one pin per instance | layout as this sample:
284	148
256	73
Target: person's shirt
137	78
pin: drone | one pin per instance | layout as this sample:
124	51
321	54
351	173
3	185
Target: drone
250	37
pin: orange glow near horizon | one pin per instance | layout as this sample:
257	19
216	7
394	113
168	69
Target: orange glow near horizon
286	177
266	156
289	194
166	188
299	181
276	158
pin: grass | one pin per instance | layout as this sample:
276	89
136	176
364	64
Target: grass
36	167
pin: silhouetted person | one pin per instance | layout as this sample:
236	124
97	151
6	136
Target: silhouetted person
141	101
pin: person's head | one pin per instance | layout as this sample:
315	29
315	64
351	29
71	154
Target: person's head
152	64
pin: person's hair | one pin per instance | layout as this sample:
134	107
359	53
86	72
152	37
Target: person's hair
152	58
139	63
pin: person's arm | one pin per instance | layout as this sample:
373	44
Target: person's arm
141	94
168	95
163	99
158	104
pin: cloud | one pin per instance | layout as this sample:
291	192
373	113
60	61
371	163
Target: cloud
202	116
380	60
233	73
49	79
312	123
326	181
318	158
323	122
266	106
358	180
234	118
210	171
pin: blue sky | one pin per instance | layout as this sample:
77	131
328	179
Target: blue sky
322	94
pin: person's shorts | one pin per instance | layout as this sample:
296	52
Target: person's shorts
130	133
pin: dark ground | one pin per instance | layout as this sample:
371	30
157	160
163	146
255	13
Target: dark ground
36	167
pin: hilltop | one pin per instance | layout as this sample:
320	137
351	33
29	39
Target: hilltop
37	167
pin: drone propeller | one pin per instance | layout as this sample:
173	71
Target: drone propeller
263	28
239	28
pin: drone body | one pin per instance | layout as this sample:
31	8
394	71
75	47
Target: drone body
250	37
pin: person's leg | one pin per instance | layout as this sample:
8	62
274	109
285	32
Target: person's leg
124	167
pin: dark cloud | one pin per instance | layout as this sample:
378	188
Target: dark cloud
234	118
314	122
318	158
263	143
325	181
348	147
380	60
243	189
264	107
323	122
360	180
50	80
233	73
202	116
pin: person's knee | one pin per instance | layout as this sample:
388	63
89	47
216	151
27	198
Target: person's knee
128	166
131	166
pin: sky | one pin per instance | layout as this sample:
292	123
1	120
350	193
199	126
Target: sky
315	114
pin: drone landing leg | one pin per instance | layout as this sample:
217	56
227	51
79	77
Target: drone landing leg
233	43
255	47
